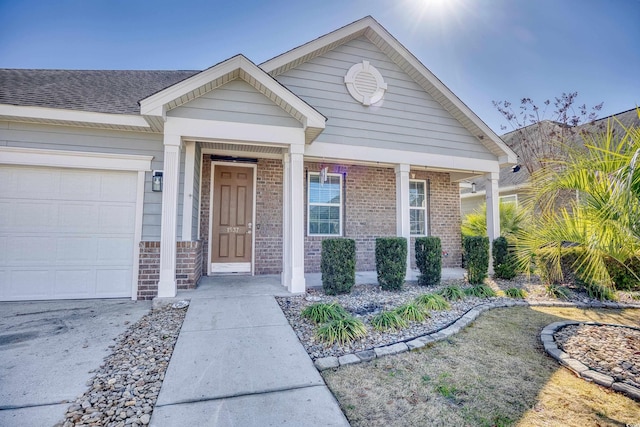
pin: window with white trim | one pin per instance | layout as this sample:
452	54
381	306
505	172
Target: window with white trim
512	198
418	207
324	205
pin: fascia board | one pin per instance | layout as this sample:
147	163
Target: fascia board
328	150
72	116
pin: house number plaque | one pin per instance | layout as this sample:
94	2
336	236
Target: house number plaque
233	229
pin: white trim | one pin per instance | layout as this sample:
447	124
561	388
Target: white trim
231	267
403	220
502	190
137	237
198	236
187	191
194	129
386	156
309	174
240	153
210	264
501	198
42	113
74	159
156	104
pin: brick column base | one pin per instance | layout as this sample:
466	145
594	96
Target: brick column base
188	267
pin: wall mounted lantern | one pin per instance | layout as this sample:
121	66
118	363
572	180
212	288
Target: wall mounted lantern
156	181
473	187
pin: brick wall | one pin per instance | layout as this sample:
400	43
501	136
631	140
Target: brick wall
445	216
369	211
188	267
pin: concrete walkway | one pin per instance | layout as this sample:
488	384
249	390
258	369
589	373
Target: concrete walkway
237	362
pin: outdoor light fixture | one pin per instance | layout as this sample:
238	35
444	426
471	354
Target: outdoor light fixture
156	181
473	187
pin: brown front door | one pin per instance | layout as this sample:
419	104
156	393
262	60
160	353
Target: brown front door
232	219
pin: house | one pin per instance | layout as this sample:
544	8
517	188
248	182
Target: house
136	183
514	181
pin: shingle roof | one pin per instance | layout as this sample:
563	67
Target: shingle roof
102	91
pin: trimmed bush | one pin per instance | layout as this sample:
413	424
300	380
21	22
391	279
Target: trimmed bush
476	249
391	262
429	260
624	276
504	262
338	265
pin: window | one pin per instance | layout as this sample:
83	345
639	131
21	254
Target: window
512	198
418	207
324	216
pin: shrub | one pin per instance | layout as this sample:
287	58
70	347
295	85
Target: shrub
556	291
433	302
452	293
338	265
516	293
504	262
480	291
429	260
412	312
342	330
391	262
600	292
477	255
322	312
388	320
624	276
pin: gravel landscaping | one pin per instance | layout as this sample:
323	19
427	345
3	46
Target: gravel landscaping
365	301
125	388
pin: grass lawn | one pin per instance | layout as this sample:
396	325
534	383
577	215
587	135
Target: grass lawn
493	373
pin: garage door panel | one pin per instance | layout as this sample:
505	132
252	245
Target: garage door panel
74	283
112	282
115	218
114	250
66	233
29	284
76	250
32	249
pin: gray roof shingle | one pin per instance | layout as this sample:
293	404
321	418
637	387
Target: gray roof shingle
100	91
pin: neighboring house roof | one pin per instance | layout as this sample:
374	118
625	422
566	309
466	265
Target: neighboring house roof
512	181
99	91
379	36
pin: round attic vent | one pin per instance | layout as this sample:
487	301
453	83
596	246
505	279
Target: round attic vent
365	83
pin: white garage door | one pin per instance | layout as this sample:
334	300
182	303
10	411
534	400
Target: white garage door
66	233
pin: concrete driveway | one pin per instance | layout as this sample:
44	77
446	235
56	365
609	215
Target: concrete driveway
47	350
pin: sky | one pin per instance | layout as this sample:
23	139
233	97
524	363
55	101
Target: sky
483	50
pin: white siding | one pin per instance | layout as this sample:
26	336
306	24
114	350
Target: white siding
407	118
50	137
236	101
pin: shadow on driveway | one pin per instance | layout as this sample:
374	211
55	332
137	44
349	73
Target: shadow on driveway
48	350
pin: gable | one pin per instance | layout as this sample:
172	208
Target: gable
407	118
235	101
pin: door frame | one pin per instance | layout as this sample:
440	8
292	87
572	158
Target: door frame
254	166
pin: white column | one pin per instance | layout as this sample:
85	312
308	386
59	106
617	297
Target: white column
493	212
187	196
403	225
286	221
167	283
296	218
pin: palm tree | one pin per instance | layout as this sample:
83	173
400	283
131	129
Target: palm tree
602	221
512	219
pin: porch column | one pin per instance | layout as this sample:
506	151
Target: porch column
187	196
294	205
285	277
167	283
403	224
493	212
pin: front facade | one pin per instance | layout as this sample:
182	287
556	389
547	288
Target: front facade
238	169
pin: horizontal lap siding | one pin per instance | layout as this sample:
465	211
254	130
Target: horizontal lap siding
237	101
48	137
407	118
